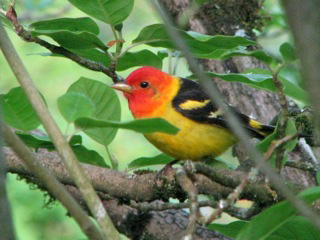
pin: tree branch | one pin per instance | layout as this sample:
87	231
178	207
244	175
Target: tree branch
187	185
142	188
134	223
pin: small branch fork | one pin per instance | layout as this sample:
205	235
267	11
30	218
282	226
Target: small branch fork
251	177
187	185
284	112
26	36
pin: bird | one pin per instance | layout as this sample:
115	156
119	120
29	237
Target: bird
203	129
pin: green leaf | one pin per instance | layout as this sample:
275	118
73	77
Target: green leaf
129	60
271	219
74	105
149	161
262	81
264	145
140	58
112	12
17	110
89	156
258	54
287	52
296	228
294	91
146	125
291	129
230	230
201	45
107	107
37	141
73	40
84	24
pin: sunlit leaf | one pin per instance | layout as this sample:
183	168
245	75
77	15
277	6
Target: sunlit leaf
129	60
107	107
262	79
201	45
149	161
271	219
74	105
72	40
146	125
17	110
84	24
140	58
109	11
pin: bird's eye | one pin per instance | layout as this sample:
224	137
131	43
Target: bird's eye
144	84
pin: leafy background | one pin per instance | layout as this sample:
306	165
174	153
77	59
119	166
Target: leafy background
54	76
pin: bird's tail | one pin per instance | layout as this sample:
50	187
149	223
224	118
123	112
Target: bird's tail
259	130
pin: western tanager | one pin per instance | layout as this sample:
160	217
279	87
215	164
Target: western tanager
203	129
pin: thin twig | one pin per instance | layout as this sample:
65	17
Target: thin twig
53	185
233	122
62	146
278	143
241	213
302	166
113	160
176	63
281	132
187	185
233	197
170	62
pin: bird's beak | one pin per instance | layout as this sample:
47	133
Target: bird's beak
122	87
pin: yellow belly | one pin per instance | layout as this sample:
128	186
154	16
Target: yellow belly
193	141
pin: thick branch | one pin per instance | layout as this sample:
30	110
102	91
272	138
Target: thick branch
142	188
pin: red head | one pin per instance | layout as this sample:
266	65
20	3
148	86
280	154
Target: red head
148	90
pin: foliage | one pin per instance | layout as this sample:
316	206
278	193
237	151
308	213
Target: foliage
94	108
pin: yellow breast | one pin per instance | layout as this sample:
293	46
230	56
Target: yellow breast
194	140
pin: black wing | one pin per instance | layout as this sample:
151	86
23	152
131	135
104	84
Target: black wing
192	102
